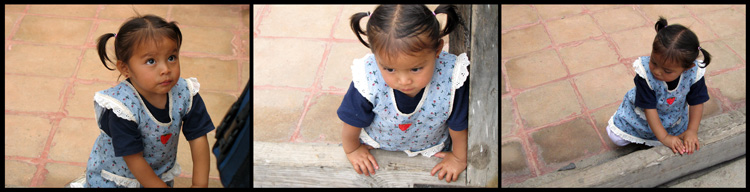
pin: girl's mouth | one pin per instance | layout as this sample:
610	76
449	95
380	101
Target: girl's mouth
165	83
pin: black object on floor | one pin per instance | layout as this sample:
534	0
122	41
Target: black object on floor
568	167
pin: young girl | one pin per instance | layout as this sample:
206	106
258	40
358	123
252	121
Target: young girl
407	93
656	111
140	118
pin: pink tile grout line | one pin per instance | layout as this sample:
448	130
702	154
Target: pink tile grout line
522	133
315	89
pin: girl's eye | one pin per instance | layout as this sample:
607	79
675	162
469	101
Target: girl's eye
416	69
171	58
389	70
150	61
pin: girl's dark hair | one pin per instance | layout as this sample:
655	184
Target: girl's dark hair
677	43
135	31
400	28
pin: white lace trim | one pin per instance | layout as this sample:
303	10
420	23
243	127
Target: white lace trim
700	72
193	85
638	68
359	77
701	64
367	139
460	72
429	152
133	183
79	182
628	137
419	105
105	101
640	112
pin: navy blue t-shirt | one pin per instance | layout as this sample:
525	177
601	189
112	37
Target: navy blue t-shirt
126	137
356	111
646	98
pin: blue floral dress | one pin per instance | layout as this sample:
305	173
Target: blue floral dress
422	131
104	169
629	122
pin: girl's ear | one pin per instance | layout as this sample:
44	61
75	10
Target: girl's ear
123	68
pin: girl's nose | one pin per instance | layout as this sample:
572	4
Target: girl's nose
405	80
165	69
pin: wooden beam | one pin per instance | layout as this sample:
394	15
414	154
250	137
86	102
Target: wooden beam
483	108
326	165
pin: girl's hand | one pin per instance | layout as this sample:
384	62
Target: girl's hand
451	166
674	143
690	139
362	160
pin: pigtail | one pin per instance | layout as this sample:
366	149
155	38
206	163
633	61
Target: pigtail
356	28
706	57
102	49
661	24
173	25
453	20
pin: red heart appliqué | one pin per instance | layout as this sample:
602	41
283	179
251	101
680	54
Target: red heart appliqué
670	100
165	138
403	127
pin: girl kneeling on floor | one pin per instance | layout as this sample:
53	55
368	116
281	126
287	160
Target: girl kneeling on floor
140	118
666	105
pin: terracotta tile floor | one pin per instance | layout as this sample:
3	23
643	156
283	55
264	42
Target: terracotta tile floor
52	71
566	68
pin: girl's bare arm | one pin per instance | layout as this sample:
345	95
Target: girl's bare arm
201	161
350	138
459	142
695	114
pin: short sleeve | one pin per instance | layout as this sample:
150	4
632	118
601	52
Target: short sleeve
640	70
126	138
644	97
197	122
355	110
459	118
698	93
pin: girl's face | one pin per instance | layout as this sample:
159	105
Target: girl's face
406	73
668	71
153	69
